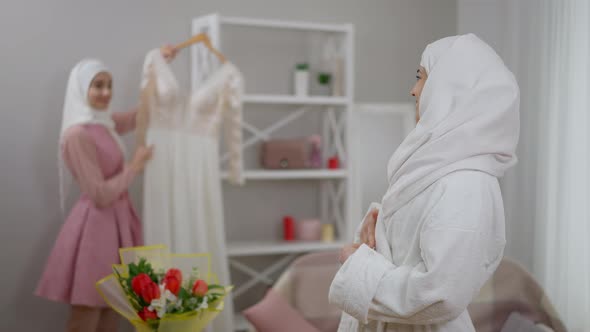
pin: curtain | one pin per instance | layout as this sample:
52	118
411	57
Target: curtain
562	229
546	43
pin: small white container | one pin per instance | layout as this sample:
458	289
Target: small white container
301	81
309	230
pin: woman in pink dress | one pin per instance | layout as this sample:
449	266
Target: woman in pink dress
104	219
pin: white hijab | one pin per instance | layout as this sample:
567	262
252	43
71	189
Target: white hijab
469	120
78	111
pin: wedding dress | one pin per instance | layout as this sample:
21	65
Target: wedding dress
182	205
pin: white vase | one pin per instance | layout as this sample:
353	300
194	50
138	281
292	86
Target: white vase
301	83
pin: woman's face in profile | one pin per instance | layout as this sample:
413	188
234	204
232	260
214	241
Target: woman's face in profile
416	91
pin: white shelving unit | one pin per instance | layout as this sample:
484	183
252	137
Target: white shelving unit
279	24
334	186
274	248
295	100
293	175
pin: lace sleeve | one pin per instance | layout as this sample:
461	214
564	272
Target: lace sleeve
233	127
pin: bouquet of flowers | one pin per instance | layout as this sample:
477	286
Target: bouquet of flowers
162	292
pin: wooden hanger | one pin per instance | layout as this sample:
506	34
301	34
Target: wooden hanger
142	117
201	38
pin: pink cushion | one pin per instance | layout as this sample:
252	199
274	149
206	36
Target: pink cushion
325	324
312	285
274	314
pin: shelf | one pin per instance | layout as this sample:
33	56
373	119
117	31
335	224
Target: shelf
241	323
237	249
295	100
324	174
279	24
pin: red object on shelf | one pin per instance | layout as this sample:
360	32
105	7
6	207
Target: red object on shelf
288	228
333	163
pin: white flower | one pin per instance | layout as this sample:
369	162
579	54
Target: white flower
170	296
203	305
160	305
179	304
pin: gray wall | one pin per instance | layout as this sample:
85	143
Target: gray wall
42	40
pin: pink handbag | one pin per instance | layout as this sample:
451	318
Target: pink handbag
286	153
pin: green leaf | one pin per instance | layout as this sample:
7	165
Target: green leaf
302	66
184	294
324	78
153	324
133	270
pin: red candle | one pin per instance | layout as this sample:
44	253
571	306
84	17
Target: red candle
333	163
288	228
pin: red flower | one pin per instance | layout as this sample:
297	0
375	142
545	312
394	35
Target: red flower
146	314
174	273
200	288
172	284
150	291
139	282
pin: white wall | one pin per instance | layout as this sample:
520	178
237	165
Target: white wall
485	18
42	40
508	27
378	128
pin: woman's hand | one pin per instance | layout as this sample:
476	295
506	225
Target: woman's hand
368	230
348	250
143	154
168	52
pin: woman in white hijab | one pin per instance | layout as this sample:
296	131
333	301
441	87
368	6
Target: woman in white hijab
103	219
422	255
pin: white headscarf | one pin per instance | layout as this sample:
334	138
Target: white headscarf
77	111
469	120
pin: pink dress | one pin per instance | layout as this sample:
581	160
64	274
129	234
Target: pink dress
102	221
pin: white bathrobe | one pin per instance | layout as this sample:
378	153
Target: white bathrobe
440	231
